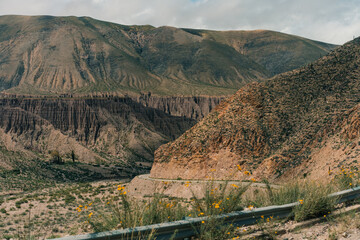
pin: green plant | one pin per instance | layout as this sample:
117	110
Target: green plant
213	228
219	198
69	198
55	157
346	178
315	202
269	227
21	201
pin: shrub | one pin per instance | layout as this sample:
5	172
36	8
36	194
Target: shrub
315	202
69	198
346	178
55	157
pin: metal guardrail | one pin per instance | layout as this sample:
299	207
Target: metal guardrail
187	228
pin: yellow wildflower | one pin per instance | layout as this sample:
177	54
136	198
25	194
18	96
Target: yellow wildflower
90	214
234	185
238	166
301	201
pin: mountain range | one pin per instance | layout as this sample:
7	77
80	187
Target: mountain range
114	93
45	55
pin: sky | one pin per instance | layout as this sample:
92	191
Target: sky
332	21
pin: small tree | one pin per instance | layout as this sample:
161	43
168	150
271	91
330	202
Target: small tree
73	156
55	157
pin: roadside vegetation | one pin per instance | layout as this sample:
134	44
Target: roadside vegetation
125	212
84	208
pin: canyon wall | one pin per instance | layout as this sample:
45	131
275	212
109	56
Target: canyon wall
195	107
100	129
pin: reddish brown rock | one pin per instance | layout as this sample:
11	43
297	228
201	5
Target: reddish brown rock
271	129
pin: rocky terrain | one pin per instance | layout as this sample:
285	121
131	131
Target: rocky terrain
53	55
99	129
196	107
278	129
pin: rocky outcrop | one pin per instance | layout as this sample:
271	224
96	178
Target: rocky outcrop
114	127
196	107
270	128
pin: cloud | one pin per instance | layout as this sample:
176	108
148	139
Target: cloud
332	21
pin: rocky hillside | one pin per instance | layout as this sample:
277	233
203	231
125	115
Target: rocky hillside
296	124
55	55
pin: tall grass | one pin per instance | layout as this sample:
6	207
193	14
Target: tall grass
128	213
125	212
315	201
312	198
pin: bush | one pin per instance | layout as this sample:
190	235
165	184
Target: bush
315	202
220	198
346	178
69	198
55	157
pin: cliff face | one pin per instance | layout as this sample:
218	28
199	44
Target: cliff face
190	107
272	129
114	127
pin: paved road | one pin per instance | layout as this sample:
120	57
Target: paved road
147	177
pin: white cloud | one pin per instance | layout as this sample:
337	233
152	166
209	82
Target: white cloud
335	21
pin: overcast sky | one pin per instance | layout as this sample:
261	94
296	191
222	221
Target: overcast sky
333	21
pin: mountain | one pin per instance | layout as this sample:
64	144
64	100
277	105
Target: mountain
113	93
45	55
300	123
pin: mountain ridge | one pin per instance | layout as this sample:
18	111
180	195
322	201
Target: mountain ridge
49	55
